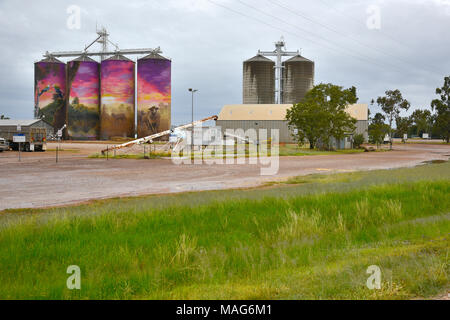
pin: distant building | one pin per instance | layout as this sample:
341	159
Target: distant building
273	116
11	125
282	82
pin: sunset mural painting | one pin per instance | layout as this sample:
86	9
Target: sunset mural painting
117	97
50	91
154	94
83	77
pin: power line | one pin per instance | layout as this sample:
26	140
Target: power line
387	35
298	13
359	21
263	22
365	58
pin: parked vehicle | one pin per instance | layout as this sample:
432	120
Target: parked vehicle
35	139
3	145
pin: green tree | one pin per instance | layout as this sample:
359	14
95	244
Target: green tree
391	104
322	115
403	124
377	129
75	101
442	107
422	120
3	117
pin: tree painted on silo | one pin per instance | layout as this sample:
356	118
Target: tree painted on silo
117	97
50	91
84	99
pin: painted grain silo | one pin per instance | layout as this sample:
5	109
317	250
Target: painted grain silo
50	91
297	79
117	85
259	81
83	82
153	94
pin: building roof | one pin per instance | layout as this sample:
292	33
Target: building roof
298	58
154	56
359	111
24	123
84	58
259	58
51	59
254	112
118	57
276	111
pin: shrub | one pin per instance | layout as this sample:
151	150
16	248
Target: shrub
358	140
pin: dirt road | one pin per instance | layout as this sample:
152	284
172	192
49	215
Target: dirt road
38	181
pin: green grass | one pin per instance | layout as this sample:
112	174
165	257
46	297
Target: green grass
295	150
306	239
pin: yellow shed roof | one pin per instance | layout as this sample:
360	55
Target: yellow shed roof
275	111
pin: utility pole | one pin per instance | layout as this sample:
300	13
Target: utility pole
192	135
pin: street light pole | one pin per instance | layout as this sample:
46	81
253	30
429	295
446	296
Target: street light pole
192	135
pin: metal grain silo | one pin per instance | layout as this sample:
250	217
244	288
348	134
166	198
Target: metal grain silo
153	94
259	81
83	82
117	85
297	79
50	91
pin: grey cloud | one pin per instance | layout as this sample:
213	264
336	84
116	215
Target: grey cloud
208	43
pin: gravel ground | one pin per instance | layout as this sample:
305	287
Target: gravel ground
38	181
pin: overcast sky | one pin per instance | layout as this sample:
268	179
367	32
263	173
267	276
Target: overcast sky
208	40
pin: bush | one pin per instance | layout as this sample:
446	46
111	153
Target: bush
358	140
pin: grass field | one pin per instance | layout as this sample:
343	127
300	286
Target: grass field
309	237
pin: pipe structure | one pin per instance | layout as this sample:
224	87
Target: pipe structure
61	54
158	135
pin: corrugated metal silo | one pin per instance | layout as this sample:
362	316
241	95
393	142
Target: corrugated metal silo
50	91
117	85
259	81
297	79
83	81
153	94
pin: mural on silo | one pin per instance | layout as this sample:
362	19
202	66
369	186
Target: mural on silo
117	98
84	99
50	91
154	95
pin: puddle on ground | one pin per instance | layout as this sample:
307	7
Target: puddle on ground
434	161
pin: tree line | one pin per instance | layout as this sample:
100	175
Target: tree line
321	118
435	123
